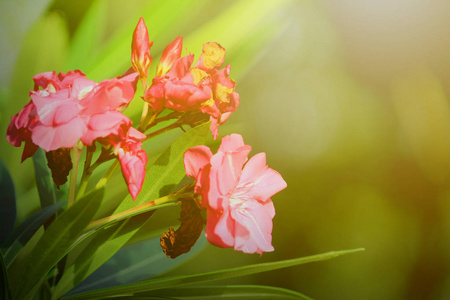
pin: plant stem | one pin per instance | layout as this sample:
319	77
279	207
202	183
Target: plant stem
86	174
75	153
172	115
108	174
146	207
162	130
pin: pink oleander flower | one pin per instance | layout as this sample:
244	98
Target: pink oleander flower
127	145
203	87
70	107
236	194
103	106
177	89
140	49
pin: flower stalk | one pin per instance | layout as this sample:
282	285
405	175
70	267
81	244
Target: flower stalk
75	155
146	207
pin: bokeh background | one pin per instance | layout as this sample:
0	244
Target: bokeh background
349	99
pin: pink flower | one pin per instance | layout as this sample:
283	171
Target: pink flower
140	49
57	108
177	89
127	145
70	107
238	204
101	108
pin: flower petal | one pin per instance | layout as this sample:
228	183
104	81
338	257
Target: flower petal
104	124
133	170
63	136
220	228
253	227
195	159
262	182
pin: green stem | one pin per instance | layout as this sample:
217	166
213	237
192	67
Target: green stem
102	182
173	115
162	130
146	207
75	153
86	174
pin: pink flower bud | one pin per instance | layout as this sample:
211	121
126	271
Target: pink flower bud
170	54
140	49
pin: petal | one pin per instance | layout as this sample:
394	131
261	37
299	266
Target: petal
253	227
133	170
43	79
220	228
28	150
228	168
103	125
66	112
184	96
262	182
180	67
47	105
213	55
195	159
54	137
111	94
135	135
67	80
232	143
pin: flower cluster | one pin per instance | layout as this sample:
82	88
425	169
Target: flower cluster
68	111
201	88
68	108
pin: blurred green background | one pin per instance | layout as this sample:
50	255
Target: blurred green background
347	98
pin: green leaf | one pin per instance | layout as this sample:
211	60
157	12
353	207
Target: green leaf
87	38
160	178
26	230
56	241
243	292
169	282
5	289
49	194
134	263
8	203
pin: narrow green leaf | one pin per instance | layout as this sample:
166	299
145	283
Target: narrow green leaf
134	263
49	194
5	289
58	237
14	29
243	292
161	177
87	38
169	282
27	229
8	203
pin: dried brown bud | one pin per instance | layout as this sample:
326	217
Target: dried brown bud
60	164
174	243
